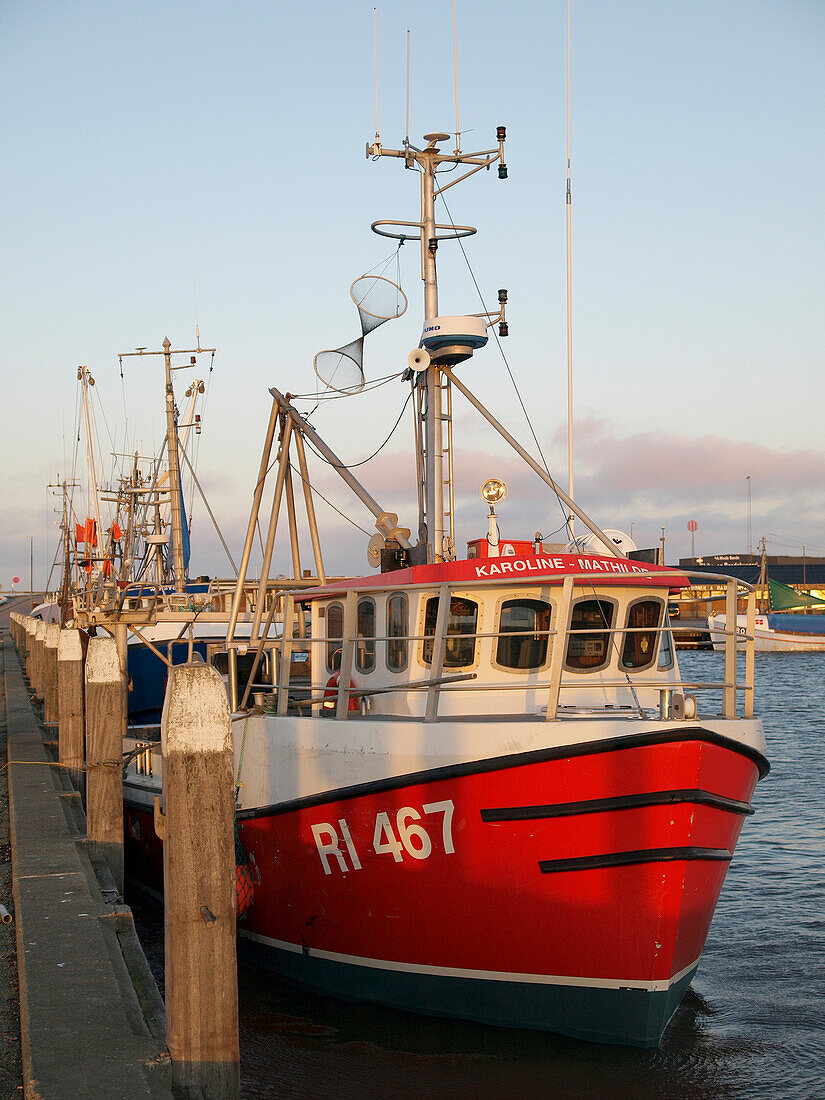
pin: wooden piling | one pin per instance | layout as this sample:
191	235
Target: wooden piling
29	625
39	658
104	754
199	883
70	705
50	643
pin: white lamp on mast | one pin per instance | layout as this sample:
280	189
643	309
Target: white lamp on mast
493	491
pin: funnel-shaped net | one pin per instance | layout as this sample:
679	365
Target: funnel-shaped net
378	300
343	368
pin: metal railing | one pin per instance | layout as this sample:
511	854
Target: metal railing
552	681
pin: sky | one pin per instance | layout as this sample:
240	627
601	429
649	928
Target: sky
170	164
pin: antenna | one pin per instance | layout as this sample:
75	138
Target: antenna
195	296
375	50
569	207
455	67
407	116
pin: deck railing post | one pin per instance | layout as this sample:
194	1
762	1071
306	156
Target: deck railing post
286	653
729	702
197	827
347	653
750	659
232	664
559	647
439	652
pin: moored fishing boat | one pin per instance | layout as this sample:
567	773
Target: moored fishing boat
480	786
790	621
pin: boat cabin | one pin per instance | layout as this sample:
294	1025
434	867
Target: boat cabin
511	636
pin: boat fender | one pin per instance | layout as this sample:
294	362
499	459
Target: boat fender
331	695
244	890
244	887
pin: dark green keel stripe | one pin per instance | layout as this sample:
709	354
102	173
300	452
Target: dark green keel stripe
624	1016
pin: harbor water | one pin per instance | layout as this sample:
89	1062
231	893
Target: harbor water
752	1024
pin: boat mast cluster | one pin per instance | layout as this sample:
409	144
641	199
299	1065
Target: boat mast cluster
436	528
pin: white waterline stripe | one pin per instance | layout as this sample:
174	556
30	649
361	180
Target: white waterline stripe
660	986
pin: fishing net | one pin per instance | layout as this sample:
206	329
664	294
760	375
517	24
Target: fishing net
343	368
377	300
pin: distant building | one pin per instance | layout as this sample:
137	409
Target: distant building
804	572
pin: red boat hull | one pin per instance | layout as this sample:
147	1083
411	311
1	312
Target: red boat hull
569	890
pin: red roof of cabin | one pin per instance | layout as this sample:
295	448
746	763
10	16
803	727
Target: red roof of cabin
546	568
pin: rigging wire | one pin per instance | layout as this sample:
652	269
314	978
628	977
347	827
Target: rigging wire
314	488
565	512
352	465
337	395
507	365
329	502
203	417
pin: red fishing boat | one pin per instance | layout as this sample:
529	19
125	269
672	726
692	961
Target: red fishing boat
478	785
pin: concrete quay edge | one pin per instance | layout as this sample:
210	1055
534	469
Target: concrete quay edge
86	992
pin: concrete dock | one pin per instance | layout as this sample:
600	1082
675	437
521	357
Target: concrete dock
91	1019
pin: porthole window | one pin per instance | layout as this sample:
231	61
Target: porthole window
461	628
365	640
335	633
639	648
589	647
523	637
397	631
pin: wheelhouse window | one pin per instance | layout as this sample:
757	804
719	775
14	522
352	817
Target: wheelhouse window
643	620
335	633
397	631
589	648
365	642
461	628
523	627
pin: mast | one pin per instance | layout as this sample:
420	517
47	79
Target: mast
85	378
172	449
174	470
569	218
433	531
64	599
431	381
